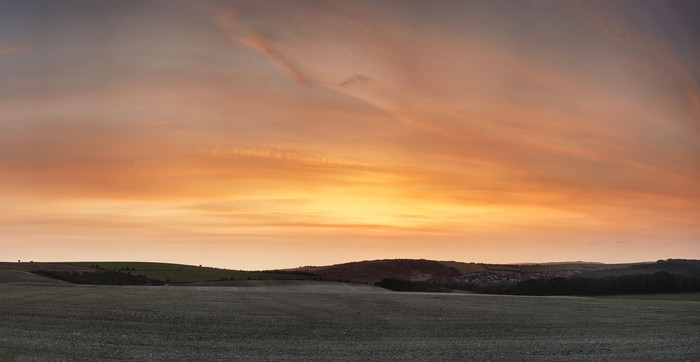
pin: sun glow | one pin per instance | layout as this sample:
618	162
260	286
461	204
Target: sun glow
277	132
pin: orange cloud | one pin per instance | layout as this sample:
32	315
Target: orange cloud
263	46
255	41
468	131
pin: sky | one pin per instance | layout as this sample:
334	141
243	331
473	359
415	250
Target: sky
271	134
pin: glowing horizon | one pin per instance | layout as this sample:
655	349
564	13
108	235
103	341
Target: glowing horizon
271	134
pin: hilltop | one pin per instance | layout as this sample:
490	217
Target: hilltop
147	273
573	278
408	269
673	275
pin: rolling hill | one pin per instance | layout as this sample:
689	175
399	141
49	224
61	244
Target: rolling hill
407	269
424	270
160	272
447	274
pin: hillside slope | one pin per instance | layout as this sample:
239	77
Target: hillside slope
407	269
8	276
424	270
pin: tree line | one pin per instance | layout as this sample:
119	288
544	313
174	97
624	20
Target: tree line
659	282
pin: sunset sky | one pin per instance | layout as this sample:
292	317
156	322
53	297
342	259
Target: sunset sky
271	134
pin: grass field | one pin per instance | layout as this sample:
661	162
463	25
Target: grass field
73	322
687	297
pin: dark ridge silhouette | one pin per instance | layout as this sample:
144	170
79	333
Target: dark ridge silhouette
406	269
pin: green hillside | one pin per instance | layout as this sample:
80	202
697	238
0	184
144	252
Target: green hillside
179	273
686	297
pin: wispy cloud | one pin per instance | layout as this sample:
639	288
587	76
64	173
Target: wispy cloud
263	46
467	127
355	79
273	153
253	40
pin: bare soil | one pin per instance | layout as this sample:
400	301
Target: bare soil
55	323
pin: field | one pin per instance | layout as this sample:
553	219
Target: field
694	297
332	321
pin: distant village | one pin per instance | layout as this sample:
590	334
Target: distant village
488	277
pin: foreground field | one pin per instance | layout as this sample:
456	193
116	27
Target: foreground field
53	323
688	297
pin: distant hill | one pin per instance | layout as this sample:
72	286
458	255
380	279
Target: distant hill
181	273
33	267
82	272
676	266
406	269
448	275
424	270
